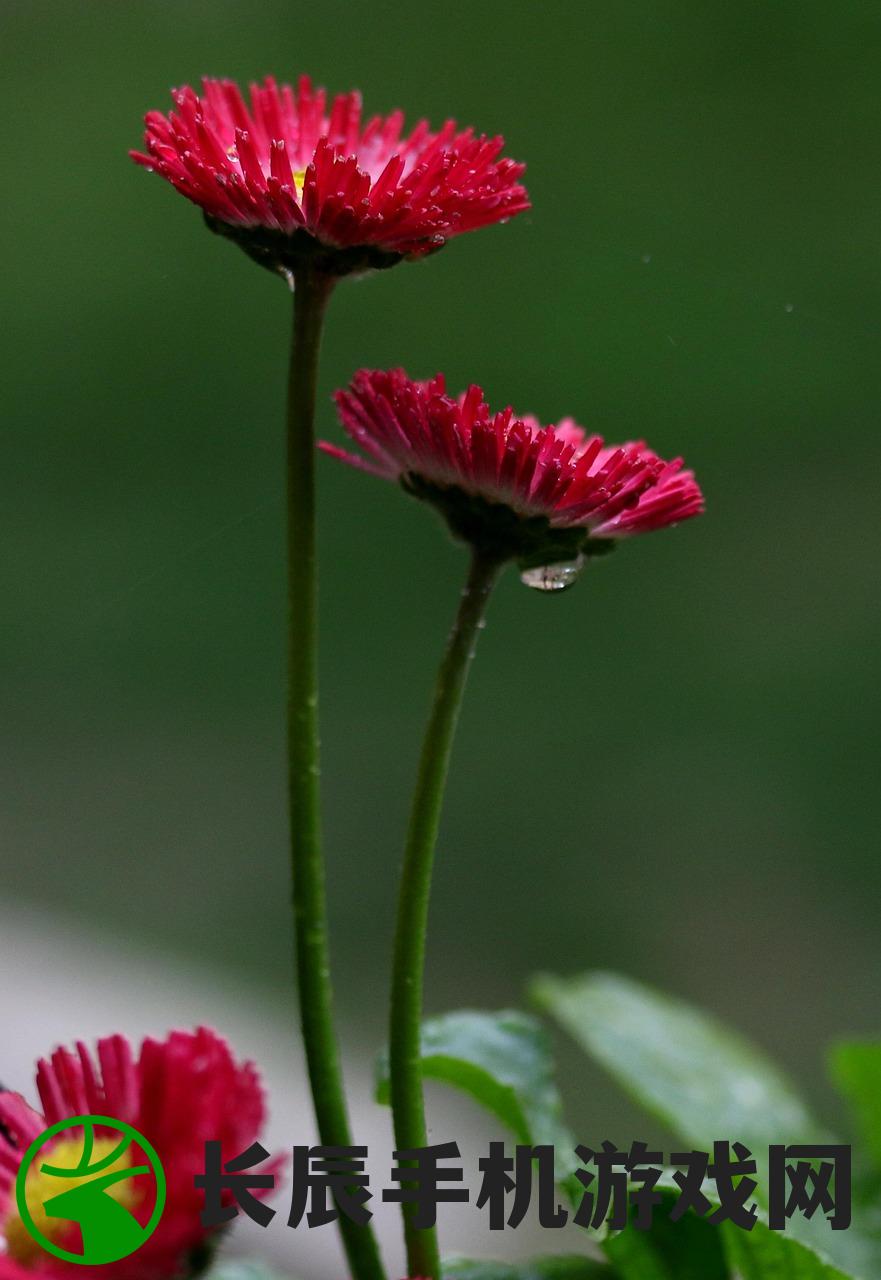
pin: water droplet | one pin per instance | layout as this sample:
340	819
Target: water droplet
553	577
790	307
288	276
646	257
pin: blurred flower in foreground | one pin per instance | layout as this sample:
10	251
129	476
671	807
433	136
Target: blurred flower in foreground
292	177
547	497
178	1093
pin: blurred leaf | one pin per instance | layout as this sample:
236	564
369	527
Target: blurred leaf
856	1070
762	1254
696	1076
704	1082
693	1249
635	1258
503	1061
565	1267
242	1269
690	1249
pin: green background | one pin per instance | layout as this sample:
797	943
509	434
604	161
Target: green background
670	770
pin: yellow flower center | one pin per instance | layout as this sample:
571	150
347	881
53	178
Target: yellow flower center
41	1186
298	176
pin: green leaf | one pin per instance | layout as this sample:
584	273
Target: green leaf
634	1257
705	1082
700	1079
762	1254
690	1249
564	1267
693	1249
856	1070
503	1061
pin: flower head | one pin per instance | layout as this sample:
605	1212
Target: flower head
291	176
178	1093
511	487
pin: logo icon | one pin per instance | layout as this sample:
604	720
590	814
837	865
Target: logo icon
97	1171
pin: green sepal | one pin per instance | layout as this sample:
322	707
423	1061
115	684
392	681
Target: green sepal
501	533
287	253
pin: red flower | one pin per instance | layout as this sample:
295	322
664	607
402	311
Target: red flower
292	170
507	484
178	1093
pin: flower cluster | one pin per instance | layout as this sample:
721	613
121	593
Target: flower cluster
506	483
178	1093
310	189
291	171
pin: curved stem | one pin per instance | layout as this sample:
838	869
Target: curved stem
405	1060
311	293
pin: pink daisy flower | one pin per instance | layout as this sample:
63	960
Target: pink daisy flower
179	1093
542	495
291	176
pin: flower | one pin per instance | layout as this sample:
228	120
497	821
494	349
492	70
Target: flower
290	178
179	1093
506	484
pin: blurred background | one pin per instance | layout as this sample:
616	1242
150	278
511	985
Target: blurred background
670	770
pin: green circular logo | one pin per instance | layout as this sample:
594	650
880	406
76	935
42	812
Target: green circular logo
88	1179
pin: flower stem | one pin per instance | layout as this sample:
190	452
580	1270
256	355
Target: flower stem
405	1059
311	293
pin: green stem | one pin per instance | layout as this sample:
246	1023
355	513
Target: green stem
405	1060
311	293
